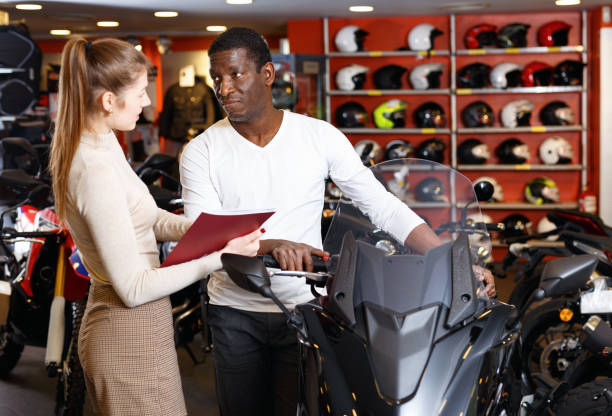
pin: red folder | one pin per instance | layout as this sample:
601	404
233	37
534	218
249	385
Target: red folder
211	232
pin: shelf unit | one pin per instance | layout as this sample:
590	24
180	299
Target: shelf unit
456	96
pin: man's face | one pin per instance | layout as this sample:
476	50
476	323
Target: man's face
240	89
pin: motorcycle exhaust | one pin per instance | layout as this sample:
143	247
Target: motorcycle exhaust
55	336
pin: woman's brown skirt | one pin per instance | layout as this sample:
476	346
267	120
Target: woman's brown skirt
129	358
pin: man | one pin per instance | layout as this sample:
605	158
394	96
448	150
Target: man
260	158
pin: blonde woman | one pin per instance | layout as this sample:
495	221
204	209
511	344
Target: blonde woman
126	342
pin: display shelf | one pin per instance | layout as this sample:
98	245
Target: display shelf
375	93
372	130
519	167
520	90
513	206
11	70
378	54
514	51
512	130
417	205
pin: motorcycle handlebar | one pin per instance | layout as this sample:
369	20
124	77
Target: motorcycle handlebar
319	265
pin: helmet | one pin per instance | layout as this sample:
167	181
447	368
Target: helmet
498	192
473	152
474	75
557	113
481	36
284	94
506	74
429	114
537	74
350	39
421	37
541	190
351	77
390	114
477	217
19	153
517	113
398	149
429	190
369	151
389	77
478	114
351	114
556	150
545	225
512	151
16	97
477	240
513	35
568	72
516	225
553	34
426	76
431	149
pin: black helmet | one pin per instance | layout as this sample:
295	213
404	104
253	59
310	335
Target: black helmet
429	114
542	190
513	35
430	190
398	149
516	225
369	152
351	114
473	152
478	114
389	77
474	75
431	149
19	153
568	72
557	113
512	151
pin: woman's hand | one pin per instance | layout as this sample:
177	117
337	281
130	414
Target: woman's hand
246	245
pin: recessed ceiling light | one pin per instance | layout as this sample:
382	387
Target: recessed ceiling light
239	1
60	32
107	23
464	6
361	9
28	6
216	28
567	2
165	14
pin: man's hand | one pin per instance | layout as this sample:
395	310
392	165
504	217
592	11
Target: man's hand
485	275
291	255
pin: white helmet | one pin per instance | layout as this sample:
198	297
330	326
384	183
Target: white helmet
478	241
350	39
506	74
421	37
517	113
556	150
351	77
498	192
426	76
545	225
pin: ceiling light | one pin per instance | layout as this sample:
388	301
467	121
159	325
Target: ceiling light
134	42
107	23
216	28
28	6
361	9
239	1
60	32
463	6
567	2
165	14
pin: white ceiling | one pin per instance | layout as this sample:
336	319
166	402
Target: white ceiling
266	16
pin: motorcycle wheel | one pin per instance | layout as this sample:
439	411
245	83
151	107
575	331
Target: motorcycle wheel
587	400
71	384
10	351
549	344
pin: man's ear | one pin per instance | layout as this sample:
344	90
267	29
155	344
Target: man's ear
268	72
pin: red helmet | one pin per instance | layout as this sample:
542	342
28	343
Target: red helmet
553	34
537	74
480	36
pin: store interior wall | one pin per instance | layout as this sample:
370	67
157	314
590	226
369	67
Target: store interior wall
172	62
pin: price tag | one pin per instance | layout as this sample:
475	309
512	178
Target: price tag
538	129
522	167
513	50
428	131
376	54
554	49
476	51
427	53
464	91
375	93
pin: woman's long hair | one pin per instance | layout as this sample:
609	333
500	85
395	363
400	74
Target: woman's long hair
88	69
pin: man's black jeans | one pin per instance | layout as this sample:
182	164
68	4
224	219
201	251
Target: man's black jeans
256	360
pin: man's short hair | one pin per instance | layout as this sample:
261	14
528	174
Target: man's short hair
245	38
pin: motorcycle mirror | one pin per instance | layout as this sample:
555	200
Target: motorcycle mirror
568	274
249	273
148	175
484	190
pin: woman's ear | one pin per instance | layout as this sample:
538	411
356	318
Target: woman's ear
107	101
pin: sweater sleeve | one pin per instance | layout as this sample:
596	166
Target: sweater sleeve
170	227
103	207
383	208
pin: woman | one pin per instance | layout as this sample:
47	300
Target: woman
126	341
